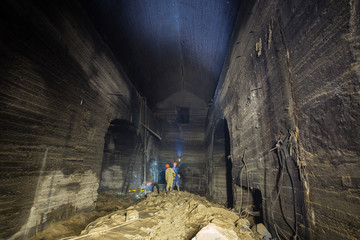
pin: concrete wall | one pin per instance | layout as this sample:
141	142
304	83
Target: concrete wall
60	89
293	75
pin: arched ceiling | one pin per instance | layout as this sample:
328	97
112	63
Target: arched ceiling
166	46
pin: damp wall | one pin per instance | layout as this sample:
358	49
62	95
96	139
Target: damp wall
289	91
60	90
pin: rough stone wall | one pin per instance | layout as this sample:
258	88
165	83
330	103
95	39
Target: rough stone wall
293	75
184	140
60	89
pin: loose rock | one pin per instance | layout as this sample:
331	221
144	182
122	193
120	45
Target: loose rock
175	215
213	232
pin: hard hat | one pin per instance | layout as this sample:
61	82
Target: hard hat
167	165
175	163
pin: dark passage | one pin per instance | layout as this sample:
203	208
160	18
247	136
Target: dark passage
255	104
258	206
122	154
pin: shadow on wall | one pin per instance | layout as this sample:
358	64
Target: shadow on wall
122	155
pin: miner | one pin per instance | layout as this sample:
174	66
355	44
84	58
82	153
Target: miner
169	177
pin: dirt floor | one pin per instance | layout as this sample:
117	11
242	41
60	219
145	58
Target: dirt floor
174	215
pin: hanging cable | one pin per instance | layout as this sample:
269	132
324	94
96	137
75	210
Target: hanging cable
281	167
293	191
282	156
245	213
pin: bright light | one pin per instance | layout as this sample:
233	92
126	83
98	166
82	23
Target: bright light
179	159
179	147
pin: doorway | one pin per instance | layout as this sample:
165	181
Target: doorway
122	152
221	184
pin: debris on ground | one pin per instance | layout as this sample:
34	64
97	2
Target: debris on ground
173	215
105	204
261	229
213	232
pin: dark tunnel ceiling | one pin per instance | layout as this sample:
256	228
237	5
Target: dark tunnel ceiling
165	46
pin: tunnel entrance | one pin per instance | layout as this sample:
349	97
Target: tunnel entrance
258	204
122	153
221	184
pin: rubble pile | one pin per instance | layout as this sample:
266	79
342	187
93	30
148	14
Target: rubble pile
173	215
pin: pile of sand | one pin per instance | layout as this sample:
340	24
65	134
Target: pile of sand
175	215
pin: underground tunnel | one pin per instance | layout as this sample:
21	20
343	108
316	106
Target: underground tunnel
257	103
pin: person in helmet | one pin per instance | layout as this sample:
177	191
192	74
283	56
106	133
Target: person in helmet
169	177
177	176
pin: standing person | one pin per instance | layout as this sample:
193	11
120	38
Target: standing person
169	177
177	176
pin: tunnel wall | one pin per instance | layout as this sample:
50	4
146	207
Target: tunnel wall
183	139
60	89
123	166
129	150
122	152
292	74
219	190
217	169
